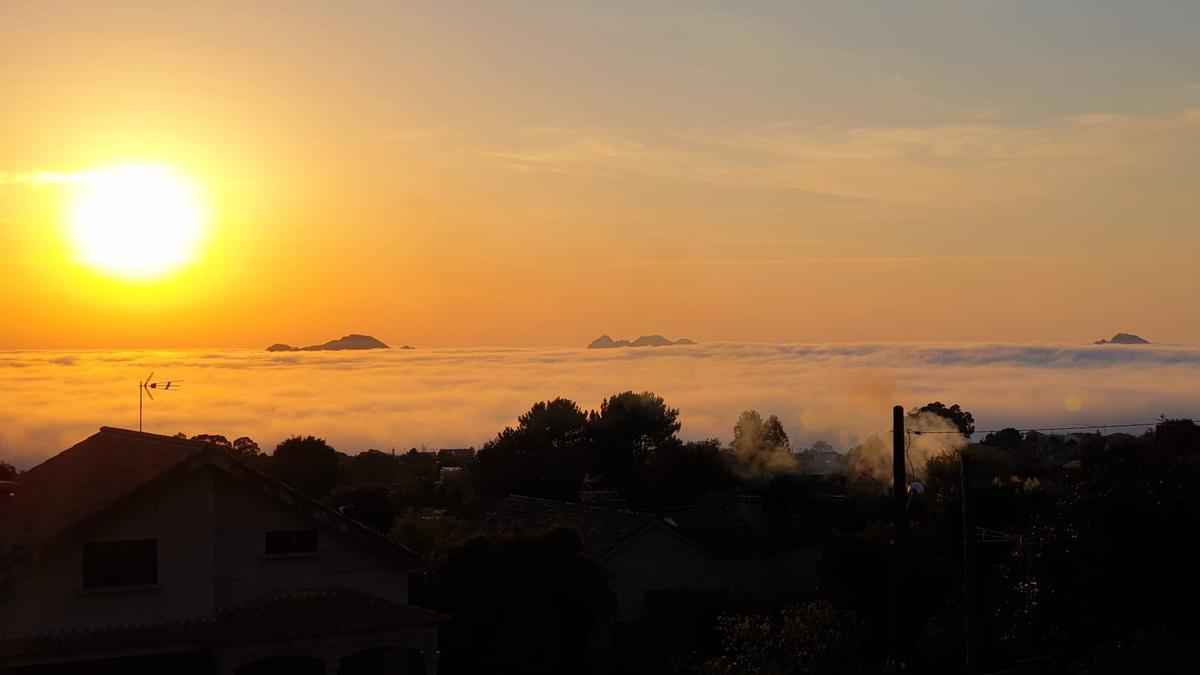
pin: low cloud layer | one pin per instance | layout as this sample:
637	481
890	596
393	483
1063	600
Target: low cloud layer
841	393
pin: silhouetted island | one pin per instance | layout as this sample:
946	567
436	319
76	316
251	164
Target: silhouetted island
1124	339
352	341
606	342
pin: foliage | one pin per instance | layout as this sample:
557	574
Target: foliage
7	471
813	638
307	463
424	534
370	505
962	419
627	432
526	604
543	456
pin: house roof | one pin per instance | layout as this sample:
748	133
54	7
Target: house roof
87	478
725	531
600	528
277	616
83	481
327	611
719	529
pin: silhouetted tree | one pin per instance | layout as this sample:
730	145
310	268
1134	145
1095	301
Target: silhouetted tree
246	449
1005	439
747	432
7	471
213	439
527	605
681	473
543	456
962	419
760	447
370	467
370	505
627	431
306	463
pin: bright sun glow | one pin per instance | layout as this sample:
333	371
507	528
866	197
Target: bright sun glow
137	221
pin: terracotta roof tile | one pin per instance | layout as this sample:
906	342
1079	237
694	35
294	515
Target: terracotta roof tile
600	528
87	478
329	611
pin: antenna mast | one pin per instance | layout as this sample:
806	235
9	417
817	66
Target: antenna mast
146	385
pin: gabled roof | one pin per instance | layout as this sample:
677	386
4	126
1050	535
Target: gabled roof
725	531
299	614
600	528
718	529
85	480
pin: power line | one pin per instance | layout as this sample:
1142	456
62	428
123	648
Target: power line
1071	428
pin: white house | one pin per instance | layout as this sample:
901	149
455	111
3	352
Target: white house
133	552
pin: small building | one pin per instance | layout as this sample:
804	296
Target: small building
133	552
735	546
456	456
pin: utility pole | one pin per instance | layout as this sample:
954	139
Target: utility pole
900	527
970	591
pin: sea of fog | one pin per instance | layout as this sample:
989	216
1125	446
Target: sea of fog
434	398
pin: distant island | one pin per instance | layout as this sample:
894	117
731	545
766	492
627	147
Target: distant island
352	341
606	342
1124	339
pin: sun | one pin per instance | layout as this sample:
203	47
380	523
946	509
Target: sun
136	221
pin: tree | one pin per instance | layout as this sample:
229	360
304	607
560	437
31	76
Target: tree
962	419
1005	439
812	638
543	456
754	434
760	447
306	463
370	505
679	473
7	471
627	431
526	604
213	439
370	466
245	449
747	432
774	436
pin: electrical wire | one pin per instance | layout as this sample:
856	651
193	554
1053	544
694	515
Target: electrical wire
1070	428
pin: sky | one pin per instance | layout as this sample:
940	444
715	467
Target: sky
528	174
841	393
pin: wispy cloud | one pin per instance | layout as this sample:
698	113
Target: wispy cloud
842	393
979	160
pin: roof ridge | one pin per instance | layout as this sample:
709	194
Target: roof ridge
146	434
591	507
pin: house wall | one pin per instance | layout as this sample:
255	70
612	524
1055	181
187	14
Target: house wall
655	560
243	572
49	593
211	544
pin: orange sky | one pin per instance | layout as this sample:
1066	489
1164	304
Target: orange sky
538	175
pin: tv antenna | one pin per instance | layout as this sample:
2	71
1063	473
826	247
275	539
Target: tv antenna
146	385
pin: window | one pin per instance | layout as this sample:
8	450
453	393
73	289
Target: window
120	563
291	542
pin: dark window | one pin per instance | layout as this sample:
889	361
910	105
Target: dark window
120	563
284	542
